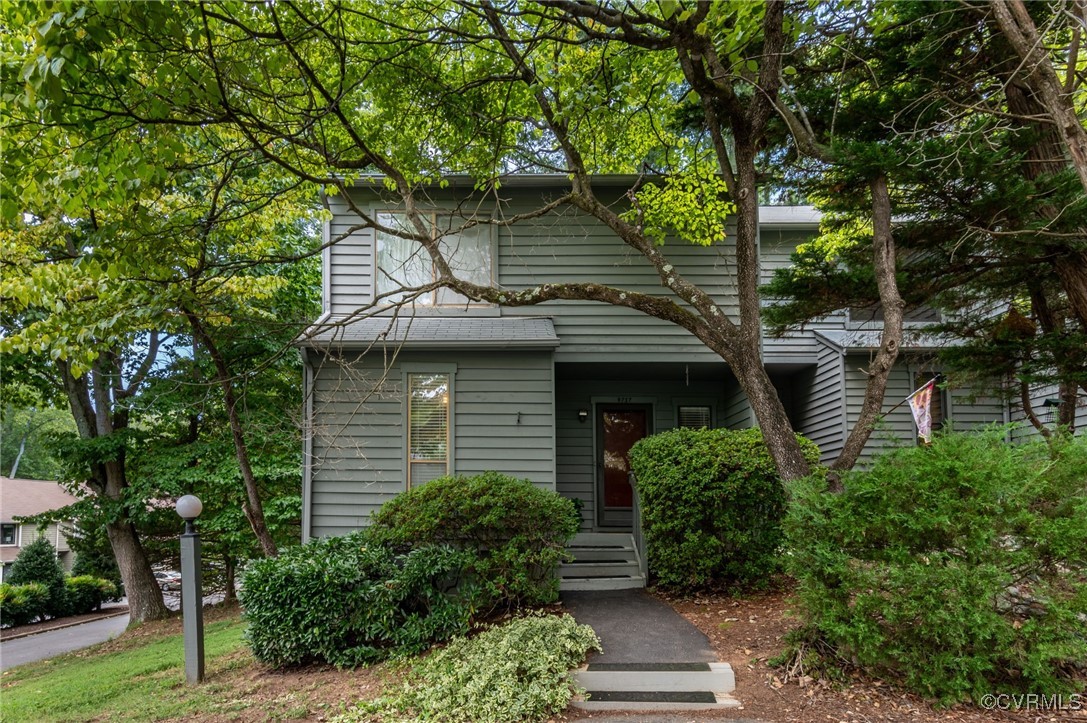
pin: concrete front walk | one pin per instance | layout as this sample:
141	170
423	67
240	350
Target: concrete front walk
637	628
42	646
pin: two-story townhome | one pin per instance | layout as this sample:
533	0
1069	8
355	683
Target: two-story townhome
21	498
557	392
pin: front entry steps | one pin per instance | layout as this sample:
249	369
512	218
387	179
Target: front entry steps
602	561
656	686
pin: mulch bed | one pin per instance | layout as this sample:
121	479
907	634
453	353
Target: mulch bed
55	623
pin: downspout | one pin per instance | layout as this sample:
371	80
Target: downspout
307	443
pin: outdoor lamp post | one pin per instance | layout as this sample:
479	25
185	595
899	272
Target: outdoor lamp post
192	608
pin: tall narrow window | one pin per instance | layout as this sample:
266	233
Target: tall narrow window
405	264
428	427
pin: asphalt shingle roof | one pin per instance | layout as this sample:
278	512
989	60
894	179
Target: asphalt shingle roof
435	331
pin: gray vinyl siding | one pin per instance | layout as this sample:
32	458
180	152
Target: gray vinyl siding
776	246
350	264
736	412
820	403
565	246
964	410
575	439
1025	431
503	420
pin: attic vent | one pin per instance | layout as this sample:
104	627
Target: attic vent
695	417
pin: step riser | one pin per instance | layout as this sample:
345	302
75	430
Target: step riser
621	583
721	704
717	681
602	539
605	569
621	554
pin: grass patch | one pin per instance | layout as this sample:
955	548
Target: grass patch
138	677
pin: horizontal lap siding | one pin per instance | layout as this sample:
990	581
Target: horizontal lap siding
576	452
1025	431
775	252
571	247
358	441
350	272
736	411
819	407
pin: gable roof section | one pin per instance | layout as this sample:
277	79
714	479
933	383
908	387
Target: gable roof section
435	332
24	497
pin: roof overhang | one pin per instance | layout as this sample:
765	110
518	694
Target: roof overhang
433	332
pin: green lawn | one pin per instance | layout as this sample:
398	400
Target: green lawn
139	679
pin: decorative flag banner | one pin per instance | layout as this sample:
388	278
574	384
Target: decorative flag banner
921	404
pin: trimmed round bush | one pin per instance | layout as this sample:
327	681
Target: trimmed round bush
347	601
712	504
22	604
517	531
959	569
87	593
37	562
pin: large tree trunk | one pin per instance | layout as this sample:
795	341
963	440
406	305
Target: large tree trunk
883	257
144	595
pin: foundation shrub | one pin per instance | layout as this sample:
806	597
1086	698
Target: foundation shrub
516	531
712	505
957	569
22	604
348	601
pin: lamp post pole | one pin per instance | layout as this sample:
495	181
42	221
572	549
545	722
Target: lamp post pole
189	508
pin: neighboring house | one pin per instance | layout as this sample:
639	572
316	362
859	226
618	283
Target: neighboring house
558	392
25	497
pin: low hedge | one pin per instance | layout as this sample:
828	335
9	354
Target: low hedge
712	505
86	593
23	604
517	531
348	601
958	569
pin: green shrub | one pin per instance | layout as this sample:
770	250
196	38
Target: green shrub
347	602
712	505
517	530
22	604
37	562
959	569
86	593
512	672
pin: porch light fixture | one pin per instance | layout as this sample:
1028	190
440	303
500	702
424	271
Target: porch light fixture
189	508
582	415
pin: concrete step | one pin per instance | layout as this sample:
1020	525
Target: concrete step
664	686
602	539
601	583
594	554
715	677
616	568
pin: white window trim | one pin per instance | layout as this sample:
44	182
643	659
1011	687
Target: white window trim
406	371
433	214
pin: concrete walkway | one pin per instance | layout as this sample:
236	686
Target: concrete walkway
636	628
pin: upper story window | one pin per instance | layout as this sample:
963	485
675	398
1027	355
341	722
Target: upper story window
403	263
8	532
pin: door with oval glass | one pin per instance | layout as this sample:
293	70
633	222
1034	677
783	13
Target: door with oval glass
618	427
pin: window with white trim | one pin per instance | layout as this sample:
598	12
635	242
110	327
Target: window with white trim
404	263
8	533
429	410
694	416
